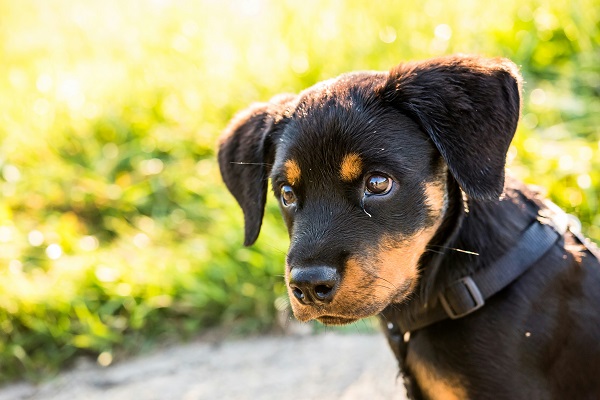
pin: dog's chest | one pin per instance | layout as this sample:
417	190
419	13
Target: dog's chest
434	383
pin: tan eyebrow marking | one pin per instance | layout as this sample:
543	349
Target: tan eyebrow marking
351	167
292	171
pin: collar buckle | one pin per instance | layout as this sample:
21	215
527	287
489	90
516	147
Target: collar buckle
461	298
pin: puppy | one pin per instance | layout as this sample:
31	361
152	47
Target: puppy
393	190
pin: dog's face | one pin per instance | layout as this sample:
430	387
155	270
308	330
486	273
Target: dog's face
360	167
362	190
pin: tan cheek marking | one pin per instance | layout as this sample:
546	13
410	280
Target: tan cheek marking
354	276
435	386
436	197
351	167
391	264
399	262
292	171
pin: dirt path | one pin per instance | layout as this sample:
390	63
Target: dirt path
326	366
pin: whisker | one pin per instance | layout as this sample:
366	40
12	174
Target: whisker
434	251
249	163
386	319
385	280
454	249
275	248
396	307
385	287
466	251
365	324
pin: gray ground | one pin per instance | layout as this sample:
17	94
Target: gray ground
325	366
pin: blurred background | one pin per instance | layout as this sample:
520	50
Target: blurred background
116	231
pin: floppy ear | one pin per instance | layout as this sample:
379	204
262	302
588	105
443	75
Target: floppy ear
246	152
470	107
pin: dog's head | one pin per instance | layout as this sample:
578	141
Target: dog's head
360	166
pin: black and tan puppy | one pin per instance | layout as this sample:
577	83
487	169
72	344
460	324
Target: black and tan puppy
393	190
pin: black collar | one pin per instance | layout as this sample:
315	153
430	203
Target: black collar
469	293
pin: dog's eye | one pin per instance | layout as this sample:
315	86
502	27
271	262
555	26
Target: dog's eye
287	195
378	184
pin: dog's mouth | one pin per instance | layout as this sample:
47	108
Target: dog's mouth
339	314
345	310
332	320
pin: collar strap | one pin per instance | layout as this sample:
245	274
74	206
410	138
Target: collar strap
469	293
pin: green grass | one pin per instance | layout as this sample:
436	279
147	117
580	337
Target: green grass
115	229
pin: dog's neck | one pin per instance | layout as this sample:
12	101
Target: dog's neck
471	237
475	233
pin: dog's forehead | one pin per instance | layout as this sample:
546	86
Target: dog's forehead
337	133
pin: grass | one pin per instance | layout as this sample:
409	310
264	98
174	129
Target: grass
115	229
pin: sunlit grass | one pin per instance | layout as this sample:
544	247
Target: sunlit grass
115	229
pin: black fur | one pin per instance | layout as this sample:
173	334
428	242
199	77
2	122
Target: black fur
439	129
468	106
245	157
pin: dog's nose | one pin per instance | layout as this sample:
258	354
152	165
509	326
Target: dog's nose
314	284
